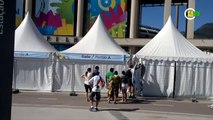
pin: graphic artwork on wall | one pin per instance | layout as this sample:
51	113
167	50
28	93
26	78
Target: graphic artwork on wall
55	17
113	14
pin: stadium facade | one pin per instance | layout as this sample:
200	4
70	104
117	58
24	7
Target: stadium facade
121	18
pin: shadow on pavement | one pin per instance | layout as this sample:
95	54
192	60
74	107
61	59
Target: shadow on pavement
120	109
131	101
139	101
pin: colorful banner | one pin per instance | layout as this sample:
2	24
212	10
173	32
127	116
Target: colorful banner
19	11
55	17
113	13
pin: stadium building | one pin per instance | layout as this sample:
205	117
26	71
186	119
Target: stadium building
65	22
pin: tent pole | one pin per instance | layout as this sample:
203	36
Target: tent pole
53	60
72	93
14	73
15	90
174	80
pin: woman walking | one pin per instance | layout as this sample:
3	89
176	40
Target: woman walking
124	86
87	76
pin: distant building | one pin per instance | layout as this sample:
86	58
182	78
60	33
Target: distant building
147	32
204	32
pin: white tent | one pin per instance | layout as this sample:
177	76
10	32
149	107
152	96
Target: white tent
95	48
32	62
29	40
173	63
97	42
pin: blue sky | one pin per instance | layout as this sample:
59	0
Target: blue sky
153	16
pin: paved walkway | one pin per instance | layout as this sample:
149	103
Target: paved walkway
59	113
61	106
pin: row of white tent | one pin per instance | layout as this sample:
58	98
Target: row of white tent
173	66
36	63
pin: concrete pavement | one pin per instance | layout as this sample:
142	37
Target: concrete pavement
61	106
20	112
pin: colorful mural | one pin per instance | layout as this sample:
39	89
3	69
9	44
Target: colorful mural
113	13
19	11
55	17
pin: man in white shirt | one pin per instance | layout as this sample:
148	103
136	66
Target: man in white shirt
95	81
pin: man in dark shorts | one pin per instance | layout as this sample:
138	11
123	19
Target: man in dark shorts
130	84
94	81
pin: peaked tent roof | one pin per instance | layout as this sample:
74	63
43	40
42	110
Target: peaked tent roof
28	38
169	44
97	41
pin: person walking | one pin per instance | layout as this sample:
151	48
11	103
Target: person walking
95	71
96	90
129	75
124	86
108	85
116	85
87	76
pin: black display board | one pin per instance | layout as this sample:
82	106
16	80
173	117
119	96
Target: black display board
7	31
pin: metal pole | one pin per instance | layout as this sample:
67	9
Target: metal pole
15	69
53	77
14	73
177	17
174	80
72	93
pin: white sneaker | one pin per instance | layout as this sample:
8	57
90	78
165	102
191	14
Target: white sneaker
91	108
210	106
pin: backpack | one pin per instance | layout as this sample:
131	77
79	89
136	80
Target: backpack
100	83
124	79
128	74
